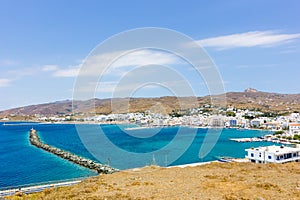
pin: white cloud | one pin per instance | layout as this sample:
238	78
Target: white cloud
146	57
248	39
49	67
113	64
5	82
122	64
71	71
22	72
8	62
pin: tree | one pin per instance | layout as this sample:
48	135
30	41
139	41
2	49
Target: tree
296	137
278	132
230	114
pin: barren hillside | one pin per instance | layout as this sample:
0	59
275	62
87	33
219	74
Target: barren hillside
213	181
250	98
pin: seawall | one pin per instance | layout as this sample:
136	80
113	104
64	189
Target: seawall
100	168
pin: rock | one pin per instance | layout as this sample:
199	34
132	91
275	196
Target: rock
251	90
100	168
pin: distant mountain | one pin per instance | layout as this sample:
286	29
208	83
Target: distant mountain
250	98
105	106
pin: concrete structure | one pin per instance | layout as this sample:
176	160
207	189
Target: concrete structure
273	154
294	128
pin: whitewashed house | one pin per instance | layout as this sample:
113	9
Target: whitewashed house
294	128
255	123
272	125
273	154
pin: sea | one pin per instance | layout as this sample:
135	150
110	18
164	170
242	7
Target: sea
121	146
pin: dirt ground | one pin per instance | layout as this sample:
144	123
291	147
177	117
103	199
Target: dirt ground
211	181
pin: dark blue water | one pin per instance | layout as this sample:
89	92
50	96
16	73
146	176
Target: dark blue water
22	163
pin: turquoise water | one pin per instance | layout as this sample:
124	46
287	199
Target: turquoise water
22	163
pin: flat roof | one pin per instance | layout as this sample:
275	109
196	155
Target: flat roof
275	149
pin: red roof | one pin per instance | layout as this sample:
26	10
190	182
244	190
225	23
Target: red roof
294	124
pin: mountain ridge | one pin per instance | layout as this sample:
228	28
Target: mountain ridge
249	99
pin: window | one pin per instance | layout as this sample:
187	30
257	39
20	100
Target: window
269	157
252	155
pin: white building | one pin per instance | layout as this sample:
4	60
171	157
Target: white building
294	128
255	123
273	154
272	125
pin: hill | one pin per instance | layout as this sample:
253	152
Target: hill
249	99
212	181
264	101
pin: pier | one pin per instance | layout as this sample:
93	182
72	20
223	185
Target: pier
267	138
100	168
247	139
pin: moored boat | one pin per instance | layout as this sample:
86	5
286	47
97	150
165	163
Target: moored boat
224	159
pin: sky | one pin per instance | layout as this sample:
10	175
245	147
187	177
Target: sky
43	44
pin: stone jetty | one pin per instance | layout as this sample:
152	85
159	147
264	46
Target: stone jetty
100	168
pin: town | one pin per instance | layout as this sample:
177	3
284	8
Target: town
286	129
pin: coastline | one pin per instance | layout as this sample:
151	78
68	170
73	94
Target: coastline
39	187
128	123
180	166
210	181
33	188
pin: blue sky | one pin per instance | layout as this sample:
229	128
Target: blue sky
42	43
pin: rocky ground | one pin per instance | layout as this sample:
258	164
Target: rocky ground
211	181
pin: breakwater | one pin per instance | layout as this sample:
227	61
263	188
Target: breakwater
100	168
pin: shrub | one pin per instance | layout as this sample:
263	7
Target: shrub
278	132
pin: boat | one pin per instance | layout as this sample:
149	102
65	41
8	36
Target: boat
224	159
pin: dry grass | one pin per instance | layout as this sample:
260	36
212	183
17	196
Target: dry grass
213	181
